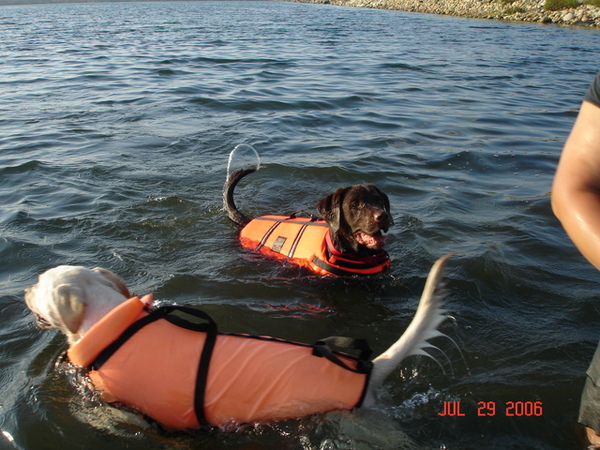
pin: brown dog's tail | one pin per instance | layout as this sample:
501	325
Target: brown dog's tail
232	212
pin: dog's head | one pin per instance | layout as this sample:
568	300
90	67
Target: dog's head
73	298
358	216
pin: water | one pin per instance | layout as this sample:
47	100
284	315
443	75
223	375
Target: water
116	122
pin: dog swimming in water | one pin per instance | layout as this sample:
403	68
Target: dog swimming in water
171	363
348	240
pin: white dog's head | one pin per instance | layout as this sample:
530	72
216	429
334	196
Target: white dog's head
74	298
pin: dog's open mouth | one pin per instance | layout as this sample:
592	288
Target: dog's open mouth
375	241
42	323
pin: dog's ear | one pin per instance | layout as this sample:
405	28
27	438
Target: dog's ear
71	307
30	296
330	208
116	280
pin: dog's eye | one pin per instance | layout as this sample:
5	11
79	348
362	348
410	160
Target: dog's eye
354	204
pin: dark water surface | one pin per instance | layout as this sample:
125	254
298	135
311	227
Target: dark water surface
116	120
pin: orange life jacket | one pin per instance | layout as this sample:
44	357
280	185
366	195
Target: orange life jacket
184	374
307	242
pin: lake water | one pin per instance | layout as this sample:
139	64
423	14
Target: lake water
116	121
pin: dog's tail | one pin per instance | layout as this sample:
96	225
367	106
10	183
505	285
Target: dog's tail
244	155
232	212
415	338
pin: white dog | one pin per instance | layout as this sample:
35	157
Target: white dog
172	365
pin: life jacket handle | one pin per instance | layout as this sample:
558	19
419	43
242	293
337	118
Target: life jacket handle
209	326
304	213
322	348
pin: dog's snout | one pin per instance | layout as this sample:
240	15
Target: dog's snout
383	219
382	216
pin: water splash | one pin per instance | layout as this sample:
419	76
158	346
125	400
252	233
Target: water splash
243	156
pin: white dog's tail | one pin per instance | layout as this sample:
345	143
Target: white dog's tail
413	341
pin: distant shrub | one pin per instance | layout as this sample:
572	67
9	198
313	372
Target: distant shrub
557	5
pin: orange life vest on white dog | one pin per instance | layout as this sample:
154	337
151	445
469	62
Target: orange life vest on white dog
307	242
185	374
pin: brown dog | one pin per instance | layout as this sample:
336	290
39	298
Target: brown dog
355	216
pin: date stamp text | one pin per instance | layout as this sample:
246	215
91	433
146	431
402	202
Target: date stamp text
490	409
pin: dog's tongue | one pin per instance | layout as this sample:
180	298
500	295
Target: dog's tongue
369	241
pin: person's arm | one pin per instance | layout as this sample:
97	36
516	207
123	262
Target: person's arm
576	188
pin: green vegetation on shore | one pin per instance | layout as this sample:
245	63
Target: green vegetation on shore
557	5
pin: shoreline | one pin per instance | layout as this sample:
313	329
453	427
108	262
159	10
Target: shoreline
531	11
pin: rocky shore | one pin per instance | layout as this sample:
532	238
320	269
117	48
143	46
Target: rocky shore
519	10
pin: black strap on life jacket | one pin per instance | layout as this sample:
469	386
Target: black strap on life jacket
346	267
322	348
168	313
363	363
333	269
